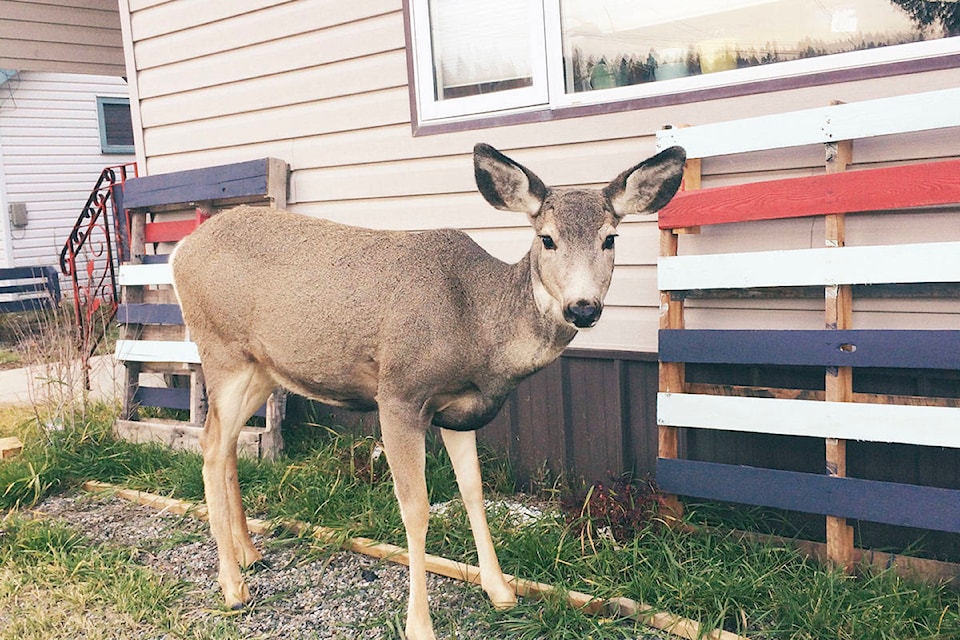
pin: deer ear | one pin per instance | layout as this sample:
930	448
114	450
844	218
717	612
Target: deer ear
506	184
649	186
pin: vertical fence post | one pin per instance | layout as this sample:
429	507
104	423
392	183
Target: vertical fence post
839	380
672	374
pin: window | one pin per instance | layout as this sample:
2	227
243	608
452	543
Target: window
480	59
116	129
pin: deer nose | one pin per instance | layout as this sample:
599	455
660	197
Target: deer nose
583	313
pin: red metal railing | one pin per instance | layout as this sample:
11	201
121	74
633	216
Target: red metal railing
98	242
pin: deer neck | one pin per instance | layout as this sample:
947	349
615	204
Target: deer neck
537	333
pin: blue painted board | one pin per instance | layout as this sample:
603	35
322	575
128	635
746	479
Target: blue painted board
924	349
166	314
167	398
241	179
885	502
162	397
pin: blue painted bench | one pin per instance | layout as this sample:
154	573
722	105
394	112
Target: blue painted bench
29	288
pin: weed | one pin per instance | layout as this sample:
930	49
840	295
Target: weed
621	508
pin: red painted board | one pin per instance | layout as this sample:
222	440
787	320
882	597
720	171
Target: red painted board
172	231
901	187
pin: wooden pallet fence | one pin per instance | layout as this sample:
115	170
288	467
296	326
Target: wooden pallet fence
164	209
838	414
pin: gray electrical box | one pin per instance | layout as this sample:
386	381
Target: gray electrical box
18	214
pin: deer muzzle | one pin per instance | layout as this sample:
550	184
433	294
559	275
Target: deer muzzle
583	313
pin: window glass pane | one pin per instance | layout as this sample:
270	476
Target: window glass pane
480	47
117	124
613	43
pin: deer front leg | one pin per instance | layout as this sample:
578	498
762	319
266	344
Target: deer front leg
462	449
403	442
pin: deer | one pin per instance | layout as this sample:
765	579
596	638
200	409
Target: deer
426	327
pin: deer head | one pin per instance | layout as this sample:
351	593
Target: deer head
572	258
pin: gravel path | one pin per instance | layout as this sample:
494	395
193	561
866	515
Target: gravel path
298	595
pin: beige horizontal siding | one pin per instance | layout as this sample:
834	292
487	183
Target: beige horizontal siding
300	51
323	85
74	36
169	30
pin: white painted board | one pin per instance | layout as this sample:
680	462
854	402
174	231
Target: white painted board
927	426
884	116
926	262
157	351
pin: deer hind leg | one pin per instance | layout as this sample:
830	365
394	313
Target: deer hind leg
403	441
233	398
462	448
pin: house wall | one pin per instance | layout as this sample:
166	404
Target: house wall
50	149
68	36
323	85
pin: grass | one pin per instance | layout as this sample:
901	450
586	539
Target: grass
55	584
761	590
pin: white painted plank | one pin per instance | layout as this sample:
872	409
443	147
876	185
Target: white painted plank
157	351
884	116
927	262
926	426
144	274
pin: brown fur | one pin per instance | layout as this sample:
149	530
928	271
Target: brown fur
427	327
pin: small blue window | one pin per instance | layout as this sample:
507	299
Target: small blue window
116	128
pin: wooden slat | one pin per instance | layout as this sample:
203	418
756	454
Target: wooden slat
816	394
869	118
238	180
886	502
926	426
885	189
172	398
157	351
172	231
166	314
930	349
167	398
182	435
144	274
929	262
25	304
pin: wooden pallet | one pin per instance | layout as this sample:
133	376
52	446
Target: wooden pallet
837	414
163	209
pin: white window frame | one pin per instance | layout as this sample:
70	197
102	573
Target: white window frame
511	99
548	89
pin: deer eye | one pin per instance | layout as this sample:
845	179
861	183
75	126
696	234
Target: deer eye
548	243
609	240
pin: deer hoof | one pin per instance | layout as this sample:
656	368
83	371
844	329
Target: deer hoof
236	597
502	597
